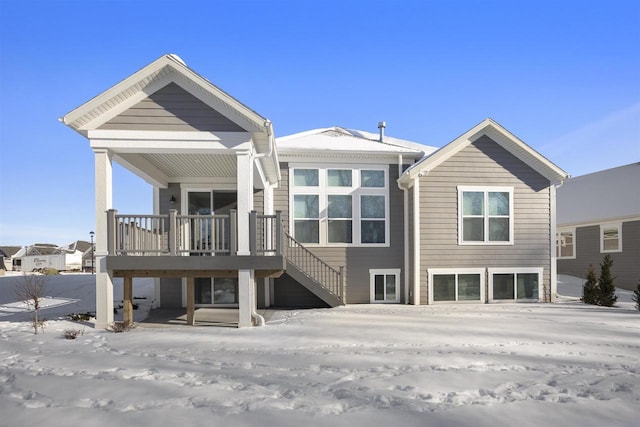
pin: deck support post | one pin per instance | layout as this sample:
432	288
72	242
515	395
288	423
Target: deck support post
191	297
103	202
127	300
246	297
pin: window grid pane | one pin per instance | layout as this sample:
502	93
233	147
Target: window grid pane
468	287
444	287
305	177
503	286
527	285
339	177
372	178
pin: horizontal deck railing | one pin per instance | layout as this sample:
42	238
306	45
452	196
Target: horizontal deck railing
173	234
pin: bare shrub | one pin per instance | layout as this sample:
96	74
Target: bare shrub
72	334
118	327
31	289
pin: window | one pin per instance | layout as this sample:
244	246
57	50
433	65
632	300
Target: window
610	238
340	205
459	285
565	244
485	215
385	286
519	284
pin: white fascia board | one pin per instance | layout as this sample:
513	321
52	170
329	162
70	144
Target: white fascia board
342	156
142	168
592	222
122	86
502	137
168	142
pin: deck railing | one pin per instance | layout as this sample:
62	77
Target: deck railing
173	234
327	276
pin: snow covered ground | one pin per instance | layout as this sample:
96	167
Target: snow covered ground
564	364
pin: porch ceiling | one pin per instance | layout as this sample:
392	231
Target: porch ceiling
177	167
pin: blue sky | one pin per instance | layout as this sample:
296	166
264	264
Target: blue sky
564	76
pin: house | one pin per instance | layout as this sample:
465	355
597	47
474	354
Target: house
46	255
6	253
319	218
599	215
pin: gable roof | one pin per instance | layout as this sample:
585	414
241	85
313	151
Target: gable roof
502	137
171	69
600	196
345	140
167	69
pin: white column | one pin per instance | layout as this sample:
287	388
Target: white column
156	281
416	241
268	210
245	200
553	270
104	280
246	297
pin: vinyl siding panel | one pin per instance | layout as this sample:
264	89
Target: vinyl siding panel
172	109
171	292
358	260
626	264
483	163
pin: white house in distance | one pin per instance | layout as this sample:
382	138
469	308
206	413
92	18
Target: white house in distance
320	218
599	214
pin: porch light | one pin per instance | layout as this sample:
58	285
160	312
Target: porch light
172	200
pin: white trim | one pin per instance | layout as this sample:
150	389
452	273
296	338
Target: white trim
457	271
356	191
516	271
416	242
558	234
384	272
553	266
617	225
486	189
601	221
502	137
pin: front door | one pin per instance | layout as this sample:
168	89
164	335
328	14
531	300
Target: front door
213	291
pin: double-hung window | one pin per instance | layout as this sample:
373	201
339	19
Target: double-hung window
566	244
340	205
610	238
485	215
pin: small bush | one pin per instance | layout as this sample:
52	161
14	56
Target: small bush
72	334
80	316
636	296
118	327
50	271
590	288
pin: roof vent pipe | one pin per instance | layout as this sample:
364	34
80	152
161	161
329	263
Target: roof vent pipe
381	126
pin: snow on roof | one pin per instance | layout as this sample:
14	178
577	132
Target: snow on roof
342	139
600	196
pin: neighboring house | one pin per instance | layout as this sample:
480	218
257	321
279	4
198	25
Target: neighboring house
6	253
319	218
45	255
599	214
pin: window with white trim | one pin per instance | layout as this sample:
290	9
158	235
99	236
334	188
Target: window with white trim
485	215
456	285
566	244
385	285
515	284
611	238
340	206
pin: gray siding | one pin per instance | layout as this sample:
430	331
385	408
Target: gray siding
626	264
172	109
171	292
357	260
289	293
165	198
484	163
